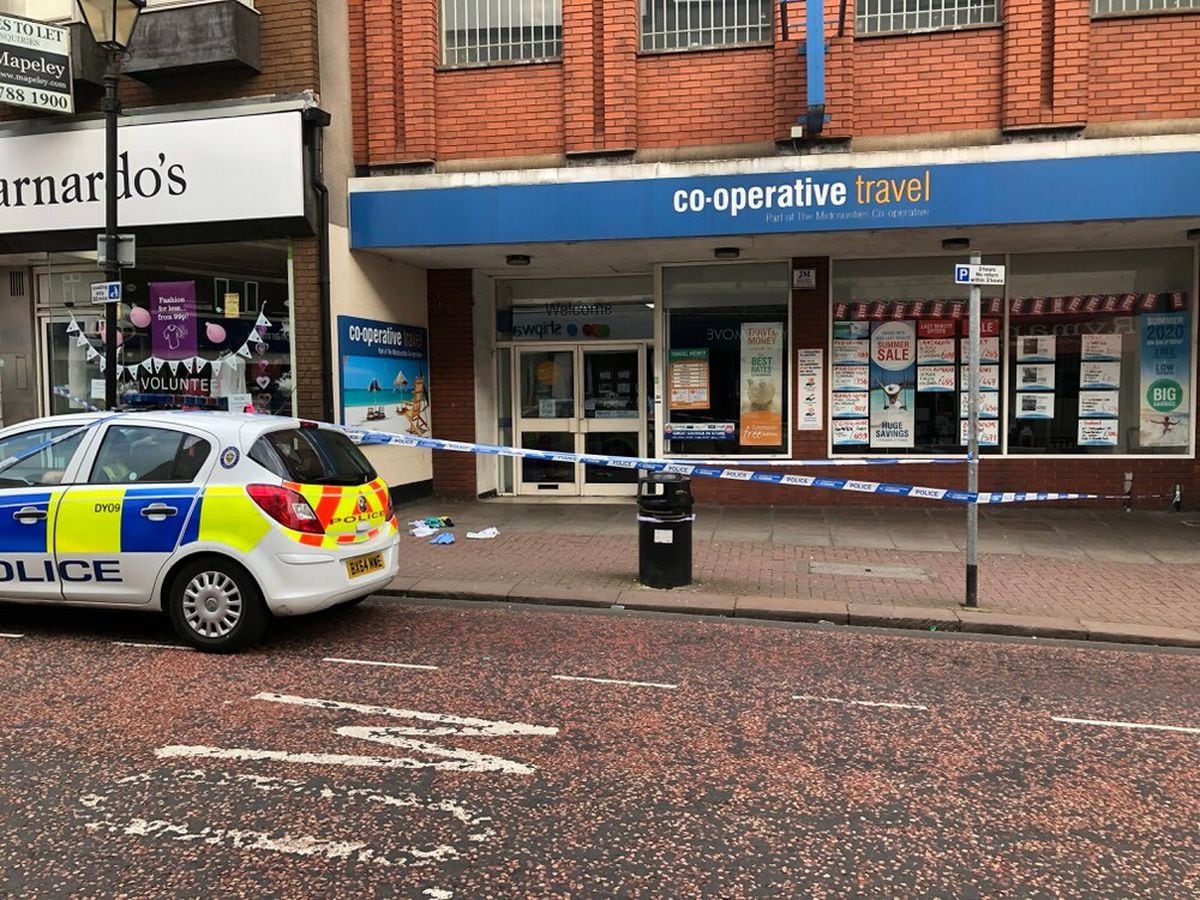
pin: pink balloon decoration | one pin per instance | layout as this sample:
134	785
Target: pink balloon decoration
139	317
215	333
104	336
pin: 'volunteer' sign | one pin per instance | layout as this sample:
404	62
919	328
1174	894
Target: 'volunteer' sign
35	65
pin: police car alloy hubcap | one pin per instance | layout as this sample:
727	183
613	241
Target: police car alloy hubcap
212	604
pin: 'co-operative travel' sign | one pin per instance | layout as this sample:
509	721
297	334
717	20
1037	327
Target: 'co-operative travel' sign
35	65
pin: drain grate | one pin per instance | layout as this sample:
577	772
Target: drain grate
908	573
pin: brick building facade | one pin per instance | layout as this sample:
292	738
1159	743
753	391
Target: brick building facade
244	237
1059	140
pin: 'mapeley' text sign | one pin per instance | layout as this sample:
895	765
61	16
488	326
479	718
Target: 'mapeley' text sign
35	65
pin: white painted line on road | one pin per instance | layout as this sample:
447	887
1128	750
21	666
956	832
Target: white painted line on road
456	724
372	662
12	636
1104	723
152	646
303	845
182	751
649	684
879	703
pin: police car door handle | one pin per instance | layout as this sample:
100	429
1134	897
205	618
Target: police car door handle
159	511
30	515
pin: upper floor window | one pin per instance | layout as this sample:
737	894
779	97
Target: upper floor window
1125	7
692	24
496	31
884	16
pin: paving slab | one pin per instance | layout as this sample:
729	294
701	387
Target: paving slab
791	609
983	622
452	589
1141	634
566	594
678	601
917	617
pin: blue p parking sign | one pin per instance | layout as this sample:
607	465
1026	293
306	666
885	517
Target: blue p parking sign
962	274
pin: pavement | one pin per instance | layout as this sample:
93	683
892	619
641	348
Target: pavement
1098	575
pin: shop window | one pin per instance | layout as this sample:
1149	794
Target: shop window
696	24
1132	7
898	374
478	32
187	337
887	16
726	359
1100	353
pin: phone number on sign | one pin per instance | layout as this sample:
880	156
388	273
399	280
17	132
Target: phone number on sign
44	99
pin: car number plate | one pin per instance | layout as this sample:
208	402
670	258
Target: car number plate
364	565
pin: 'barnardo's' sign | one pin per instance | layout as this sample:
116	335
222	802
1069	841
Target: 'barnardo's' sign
35	65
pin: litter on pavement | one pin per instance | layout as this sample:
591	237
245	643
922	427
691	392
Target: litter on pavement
444	537
485	535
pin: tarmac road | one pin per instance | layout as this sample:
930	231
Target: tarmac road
442	750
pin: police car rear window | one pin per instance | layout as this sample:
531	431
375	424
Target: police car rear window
312	456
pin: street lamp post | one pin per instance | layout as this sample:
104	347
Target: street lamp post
111	23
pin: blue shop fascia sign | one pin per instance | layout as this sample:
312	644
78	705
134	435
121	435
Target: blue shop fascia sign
1094	188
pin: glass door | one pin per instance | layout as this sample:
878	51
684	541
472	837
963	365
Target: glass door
580	399
547	419
613	421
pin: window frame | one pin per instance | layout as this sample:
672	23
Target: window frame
200	475
859	33
1135	13
69	470
467	50
768	41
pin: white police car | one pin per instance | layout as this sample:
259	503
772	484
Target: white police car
219	519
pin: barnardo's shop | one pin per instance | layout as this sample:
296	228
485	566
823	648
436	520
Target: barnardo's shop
217	204
806	308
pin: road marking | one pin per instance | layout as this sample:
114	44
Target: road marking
303	845
454	724
152	646
404	737
1104	723
11	636
879	703
649	684
372	662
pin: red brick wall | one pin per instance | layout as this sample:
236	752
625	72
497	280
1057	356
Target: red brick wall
1144	68
452	378
945	81
711	97
507	111
1049	64
306	314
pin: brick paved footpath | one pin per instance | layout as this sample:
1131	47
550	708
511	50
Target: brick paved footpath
1057	573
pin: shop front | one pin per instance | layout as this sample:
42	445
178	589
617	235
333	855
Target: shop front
208	315
739	313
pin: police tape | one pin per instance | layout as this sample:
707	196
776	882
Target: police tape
60	391
379	438
53	441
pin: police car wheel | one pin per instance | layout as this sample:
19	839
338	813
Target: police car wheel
215	606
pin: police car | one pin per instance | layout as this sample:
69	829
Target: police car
219	519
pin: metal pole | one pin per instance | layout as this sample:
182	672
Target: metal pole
112	269
973	312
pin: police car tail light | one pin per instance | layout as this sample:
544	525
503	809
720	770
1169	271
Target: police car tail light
286	507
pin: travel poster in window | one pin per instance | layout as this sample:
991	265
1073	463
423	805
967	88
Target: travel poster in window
762	384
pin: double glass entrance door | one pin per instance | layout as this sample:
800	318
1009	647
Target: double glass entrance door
580	399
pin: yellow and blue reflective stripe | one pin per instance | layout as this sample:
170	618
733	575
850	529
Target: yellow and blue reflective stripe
141	534
19	537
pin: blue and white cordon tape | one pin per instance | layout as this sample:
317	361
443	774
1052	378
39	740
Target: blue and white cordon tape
703	470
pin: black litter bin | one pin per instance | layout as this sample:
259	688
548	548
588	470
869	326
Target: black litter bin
665	530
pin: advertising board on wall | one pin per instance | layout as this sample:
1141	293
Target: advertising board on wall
35	65
199	170
384	375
